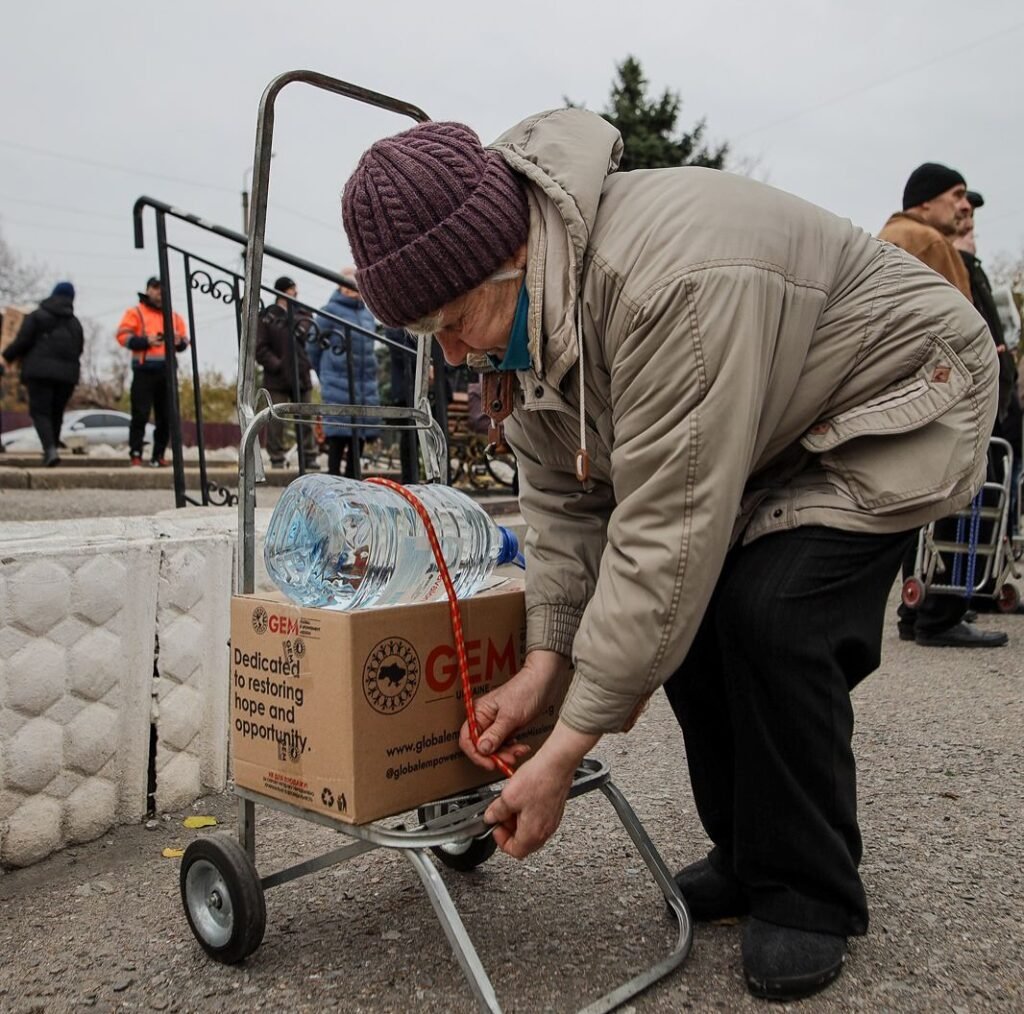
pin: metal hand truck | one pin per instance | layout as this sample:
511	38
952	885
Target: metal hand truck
222	893
975	553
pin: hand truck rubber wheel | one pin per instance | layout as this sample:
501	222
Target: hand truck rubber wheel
223	898
460	855
1008	599
913	592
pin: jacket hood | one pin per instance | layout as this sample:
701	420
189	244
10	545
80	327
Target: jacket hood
566	154
59	306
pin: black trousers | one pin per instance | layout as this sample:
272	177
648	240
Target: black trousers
47	400
763	699
277	442
348	448
149	394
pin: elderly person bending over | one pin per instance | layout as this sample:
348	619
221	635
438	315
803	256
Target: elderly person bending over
732	410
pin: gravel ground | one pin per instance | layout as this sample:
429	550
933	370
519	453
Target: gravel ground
941	783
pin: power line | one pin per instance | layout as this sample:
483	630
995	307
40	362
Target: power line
110	166
61	207
64	228
942	57
306	218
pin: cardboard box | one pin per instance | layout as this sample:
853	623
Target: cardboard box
357	714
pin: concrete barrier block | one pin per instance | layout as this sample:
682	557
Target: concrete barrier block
76	679
35	755
192	690
40	595
33	832
90	739
94	663
36	677
106	626
97	592
179	781
90	810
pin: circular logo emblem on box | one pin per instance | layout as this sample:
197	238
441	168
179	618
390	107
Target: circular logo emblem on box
391	676
300	647
259	620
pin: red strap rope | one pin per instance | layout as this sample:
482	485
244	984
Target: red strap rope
453	610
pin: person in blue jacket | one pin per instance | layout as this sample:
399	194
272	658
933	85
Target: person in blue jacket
327	356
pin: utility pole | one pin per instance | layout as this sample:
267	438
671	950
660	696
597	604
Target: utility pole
245	204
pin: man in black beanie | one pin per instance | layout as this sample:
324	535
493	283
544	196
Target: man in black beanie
935	205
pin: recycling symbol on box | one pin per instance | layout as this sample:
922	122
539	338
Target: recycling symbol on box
327	797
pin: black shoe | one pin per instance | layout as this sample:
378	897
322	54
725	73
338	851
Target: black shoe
711	895
50	457
963	635
970	616
906	632
781	963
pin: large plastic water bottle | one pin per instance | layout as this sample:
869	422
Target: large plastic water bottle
342	544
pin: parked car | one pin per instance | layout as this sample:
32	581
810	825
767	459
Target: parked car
82	428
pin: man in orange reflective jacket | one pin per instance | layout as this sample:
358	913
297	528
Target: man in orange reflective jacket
142	331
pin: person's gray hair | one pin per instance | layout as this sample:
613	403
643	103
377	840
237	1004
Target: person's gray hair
428	326
425	327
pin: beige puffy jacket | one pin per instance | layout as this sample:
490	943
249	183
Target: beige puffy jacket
751	363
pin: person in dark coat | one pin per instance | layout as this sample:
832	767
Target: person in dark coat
1008	415
49	345
281	351
331	357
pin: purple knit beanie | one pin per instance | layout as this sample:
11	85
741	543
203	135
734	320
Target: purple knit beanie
430	213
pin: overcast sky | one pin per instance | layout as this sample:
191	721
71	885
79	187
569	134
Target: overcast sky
107	100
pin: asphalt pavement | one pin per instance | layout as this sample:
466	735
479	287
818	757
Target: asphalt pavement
941	785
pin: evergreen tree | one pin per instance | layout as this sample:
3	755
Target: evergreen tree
648	125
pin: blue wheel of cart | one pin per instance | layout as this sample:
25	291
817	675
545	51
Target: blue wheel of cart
223	898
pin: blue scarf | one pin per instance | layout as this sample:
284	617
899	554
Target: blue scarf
517	353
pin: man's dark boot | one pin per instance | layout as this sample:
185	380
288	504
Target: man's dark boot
711	895
50	457
781	963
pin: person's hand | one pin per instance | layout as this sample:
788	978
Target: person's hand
512	707
530	807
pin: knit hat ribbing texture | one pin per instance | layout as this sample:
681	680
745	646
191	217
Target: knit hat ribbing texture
430	213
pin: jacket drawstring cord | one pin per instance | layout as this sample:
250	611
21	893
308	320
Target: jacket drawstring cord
582	458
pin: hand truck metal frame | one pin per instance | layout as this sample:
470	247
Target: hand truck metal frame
222	892
943	566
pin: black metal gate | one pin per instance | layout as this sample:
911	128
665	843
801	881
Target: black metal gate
206	278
